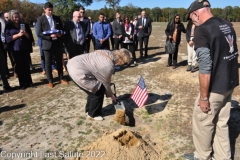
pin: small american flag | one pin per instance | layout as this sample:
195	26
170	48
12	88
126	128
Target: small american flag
140	95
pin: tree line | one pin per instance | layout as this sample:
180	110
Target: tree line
64	8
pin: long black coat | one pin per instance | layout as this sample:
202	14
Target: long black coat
170	29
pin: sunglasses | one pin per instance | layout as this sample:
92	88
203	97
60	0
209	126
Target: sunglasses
82	12
5	17
126	19
177	18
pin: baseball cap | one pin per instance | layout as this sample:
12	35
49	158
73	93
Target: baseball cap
197	4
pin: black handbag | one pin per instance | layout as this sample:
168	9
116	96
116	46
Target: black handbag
170	47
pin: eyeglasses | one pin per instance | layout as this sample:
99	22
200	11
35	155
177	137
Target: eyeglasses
177	18
82	12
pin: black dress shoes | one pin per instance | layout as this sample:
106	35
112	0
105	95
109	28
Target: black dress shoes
146	55
31	85
7	88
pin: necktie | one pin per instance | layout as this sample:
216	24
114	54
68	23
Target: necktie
102	30
79	34
51	23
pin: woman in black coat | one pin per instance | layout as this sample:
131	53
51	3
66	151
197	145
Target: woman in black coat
19	41
127	34
173	32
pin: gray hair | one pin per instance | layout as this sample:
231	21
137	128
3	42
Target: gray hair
11	13
123	55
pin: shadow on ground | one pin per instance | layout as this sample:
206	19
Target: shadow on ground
9	108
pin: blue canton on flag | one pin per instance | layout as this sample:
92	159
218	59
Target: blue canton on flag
55	31
140	95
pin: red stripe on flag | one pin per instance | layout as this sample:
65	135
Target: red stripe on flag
139	96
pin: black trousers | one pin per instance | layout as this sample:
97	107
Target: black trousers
2	68
94	101
131	47
117	41
145	40
172	58
54	52
76	49
87	45
22	68
135	41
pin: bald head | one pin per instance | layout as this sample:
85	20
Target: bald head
76	16
6	16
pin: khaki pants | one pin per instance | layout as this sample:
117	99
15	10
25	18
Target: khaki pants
192	57
210	130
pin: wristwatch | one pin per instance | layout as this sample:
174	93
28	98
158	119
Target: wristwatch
203	99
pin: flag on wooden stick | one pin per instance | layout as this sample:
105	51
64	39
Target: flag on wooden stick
140	95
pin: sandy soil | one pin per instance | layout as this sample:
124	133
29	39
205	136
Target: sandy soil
52	124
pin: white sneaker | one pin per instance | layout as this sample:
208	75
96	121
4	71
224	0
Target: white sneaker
98	118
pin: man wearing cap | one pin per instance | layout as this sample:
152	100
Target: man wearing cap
217	52
51	44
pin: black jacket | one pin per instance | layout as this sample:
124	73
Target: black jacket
124	31
43	25
170	29
147	30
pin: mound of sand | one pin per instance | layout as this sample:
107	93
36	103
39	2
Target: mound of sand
122	144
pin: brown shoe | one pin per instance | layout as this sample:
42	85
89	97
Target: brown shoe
63	81
50	85
43	72
55	71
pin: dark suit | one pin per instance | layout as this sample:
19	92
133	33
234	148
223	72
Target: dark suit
116	29
51	47
85	23
143	34
129	46
73	47
90	37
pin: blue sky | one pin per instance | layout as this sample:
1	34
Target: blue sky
159	3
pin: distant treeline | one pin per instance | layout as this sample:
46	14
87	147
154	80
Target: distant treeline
31	11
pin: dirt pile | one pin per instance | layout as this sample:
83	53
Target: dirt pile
122	144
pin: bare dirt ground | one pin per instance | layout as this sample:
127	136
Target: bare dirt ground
51	123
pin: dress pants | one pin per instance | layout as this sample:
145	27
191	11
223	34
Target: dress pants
210	130
76	49
172	58
104	45
43	60
135	41
57	53
145	40
131	47
2	68
87	45
22	68
94	101
117	41
192	57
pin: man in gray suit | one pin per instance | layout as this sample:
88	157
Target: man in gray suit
75	37
117	32
144	27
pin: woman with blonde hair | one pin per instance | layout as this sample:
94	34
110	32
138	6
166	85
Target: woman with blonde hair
19	39
92	73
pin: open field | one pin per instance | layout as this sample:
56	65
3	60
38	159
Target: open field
48	121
